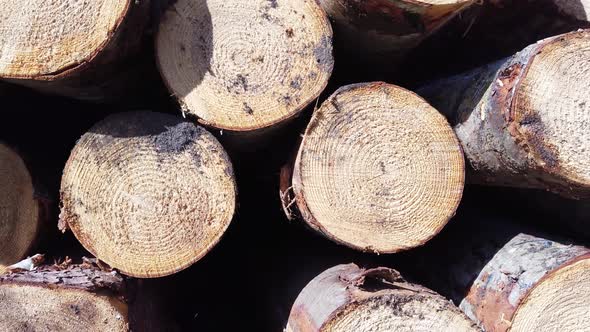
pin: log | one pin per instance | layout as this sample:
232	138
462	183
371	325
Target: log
348	298
509	277
81	49
263	63
384	31
23	209
522	120
147	193
378	170
73	298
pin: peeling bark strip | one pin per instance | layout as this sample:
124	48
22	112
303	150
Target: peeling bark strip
147	193
378	170
508	277
523	121
387	29
264	62
85	50
23	211
347	298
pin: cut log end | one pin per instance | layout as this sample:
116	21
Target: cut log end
347	298
19	209
147	193
44	39
552	108
559	302
371	185
262	64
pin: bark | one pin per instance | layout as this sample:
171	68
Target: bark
115	71
491	267
344	289
506	139
384	31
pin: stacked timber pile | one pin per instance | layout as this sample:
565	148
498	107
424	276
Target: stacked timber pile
288	158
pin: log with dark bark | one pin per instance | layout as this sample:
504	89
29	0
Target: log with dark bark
23	209
384	31
523	121
80	49
348	298
509	277
245	65
74	298
378	170
147	193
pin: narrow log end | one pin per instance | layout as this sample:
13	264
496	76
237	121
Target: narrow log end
378	169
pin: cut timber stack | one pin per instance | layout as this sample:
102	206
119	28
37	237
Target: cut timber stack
72	298
147	193
378	170
508	277
385	30
22	210
79	49
523	121
245	65
348	298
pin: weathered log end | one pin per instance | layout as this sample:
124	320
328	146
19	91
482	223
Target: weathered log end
76	298
148	193
262	64
550	110
347	298
21	211
378	170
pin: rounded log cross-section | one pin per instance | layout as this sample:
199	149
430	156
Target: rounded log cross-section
147	193
21	211
245	65
348	298
523	121
386	30
73	48
378	170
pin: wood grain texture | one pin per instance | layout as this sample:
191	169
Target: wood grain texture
348	298
378	170
245	65
79	49
148	193
522	120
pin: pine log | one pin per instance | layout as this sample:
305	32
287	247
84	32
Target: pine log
508	277
263	63
385	30
79	49
23	209
74	298
522	121
348	298
378	170
147	193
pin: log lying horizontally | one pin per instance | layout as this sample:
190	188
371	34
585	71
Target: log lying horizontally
347	298
262	63
523	121
77	49
507	277
22	209
72	298
385	30
378	170
147	193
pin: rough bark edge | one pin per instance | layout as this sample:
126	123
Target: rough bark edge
254	134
